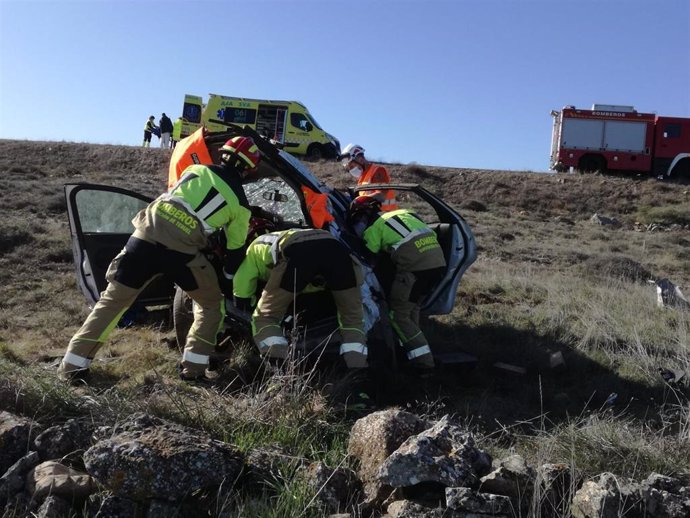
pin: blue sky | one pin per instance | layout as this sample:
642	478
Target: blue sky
463	83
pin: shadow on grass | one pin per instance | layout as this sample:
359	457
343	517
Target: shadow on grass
531	386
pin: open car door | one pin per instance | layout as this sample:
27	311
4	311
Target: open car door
454	235
100	220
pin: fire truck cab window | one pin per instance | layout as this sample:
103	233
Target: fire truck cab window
672	131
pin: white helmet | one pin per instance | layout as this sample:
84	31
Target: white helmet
351	151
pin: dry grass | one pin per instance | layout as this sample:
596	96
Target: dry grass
547	281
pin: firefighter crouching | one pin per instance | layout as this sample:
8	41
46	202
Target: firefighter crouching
419	264
169	236
292	261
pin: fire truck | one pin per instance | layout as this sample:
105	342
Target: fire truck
619	138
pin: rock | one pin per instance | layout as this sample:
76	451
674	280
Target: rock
662	482
373	438
107	505
14	479
604	220
15	436
444	454
410	509
665	497
668	294
61	440
335	488
606	497
53	478
465	500
149	458
512	478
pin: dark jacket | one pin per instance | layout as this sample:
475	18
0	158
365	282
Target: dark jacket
166	124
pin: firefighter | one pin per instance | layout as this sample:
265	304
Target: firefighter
354	162
169	236
293	261
418	263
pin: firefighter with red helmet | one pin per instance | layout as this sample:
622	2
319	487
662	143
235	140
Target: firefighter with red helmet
294	261
418	263
354	162
169	238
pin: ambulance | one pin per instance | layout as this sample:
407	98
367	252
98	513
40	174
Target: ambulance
287	123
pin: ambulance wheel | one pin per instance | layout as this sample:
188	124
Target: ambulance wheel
315	152
183	317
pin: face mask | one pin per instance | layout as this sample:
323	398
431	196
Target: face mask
356	171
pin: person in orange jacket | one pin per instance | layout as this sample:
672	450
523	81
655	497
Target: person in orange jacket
353	160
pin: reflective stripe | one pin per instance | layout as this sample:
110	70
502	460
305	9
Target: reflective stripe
274	249
355	347
412	235
272	341
419	351
176	199
212	206
389	202
191	357
398	227
75	359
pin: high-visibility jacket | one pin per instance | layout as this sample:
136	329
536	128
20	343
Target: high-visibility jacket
317	205
214	195
177	129
191	150
412	245
261	256
376	174
149	126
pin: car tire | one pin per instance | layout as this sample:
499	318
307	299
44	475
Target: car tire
183	316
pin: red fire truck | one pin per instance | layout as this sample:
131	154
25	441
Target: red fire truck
618	138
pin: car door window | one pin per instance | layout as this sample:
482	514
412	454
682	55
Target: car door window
105	211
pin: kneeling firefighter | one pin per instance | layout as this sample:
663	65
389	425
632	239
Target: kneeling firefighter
170	236
293	261
418	261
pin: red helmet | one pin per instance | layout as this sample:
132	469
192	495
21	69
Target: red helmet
244	150
363	206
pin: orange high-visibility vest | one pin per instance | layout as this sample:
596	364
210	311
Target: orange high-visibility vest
317	205
188	151
378	174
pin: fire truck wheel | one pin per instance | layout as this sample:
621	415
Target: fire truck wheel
592	164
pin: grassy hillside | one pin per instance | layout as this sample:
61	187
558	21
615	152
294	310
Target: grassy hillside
548	280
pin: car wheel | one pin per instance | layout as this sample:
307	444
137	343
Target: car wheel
315	152
183	317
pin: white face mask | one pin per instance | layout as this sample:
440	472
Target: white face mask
356	171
